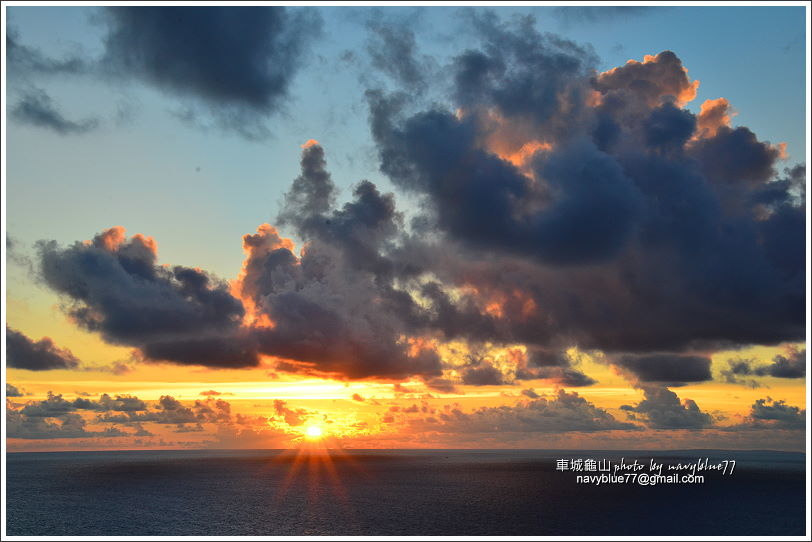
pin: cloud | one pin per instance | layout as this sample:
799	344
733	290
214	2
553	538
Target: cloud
56	417
37	109
334	307
554	206
214	393
648	82
713	115
13	391
292	417
592	14
393	50
623	214
56	405
669	369
484	375
563	412
791	365
238	61
171	411
66	426
560	376
41	355
30	60
114	286
531	393
776	414
662	409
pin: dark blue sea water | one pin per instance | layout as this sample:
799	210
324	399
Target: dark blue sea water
394	492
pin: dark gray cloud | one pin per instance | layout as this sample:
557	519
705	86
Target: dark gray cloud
239	61
56	405
662	409
114	286
36	108
531	393
13	391
598	14
559	376
777	414
478	198
393	50
792	365
483	375
668	369
169	410
292	416
521	72
57	417
42	355
69	425
562	413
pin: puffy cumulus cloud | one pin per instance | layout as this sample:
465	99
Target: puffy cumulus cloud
57	417
36	108
735	155
239	61
114	286
593	14
776	414
13	391
24	59
531	393
332	308
520	72
292	416
42	355
552	366
791	365
563	412
70	425
662	409
627	234
668	369
585	215
393	50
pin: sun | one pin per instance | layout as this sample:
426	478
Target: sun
314	432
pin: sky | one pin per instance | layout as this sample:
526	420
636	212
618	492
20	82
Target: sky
405	227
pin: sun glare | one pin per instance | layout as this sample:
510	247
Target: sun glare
314	432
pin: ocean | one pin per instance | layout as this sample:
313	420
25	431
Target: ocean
396	492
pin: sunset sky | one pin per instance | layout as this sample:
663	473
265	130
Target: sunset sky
404	227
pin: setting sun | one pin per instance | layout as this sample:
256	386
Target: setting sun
314	432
